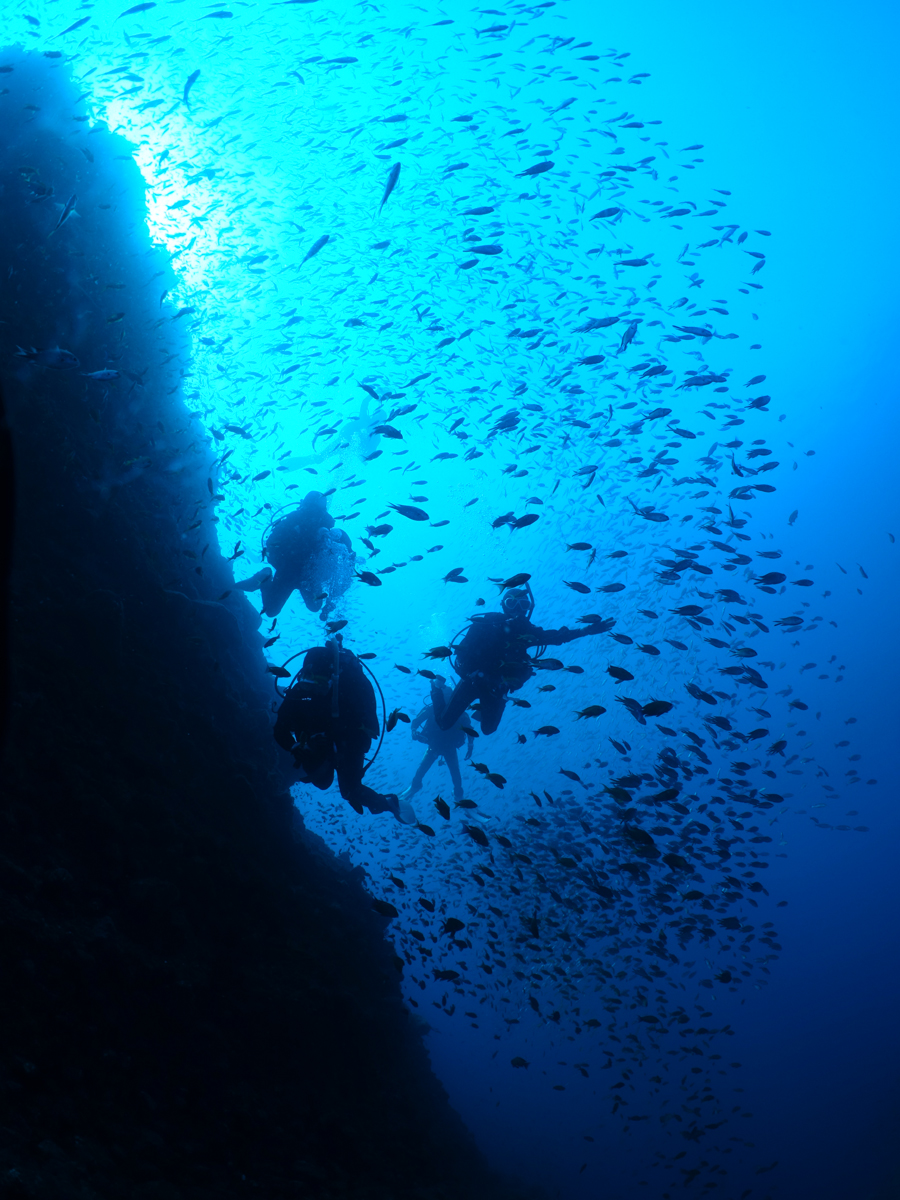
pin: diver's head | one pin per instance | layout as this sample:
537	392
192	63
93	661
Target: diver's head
315	501
517	603
439	682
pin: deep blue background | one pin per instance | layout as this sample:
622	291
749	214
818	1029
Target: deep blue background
796	105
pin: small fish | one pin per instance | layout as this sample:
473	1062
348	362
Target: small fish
100	375
316	247
77	25
546	731
443	808
191	79
523	522
657	708
537	169
53	357
633	707
580	546
368	577
390	185
478	836
514	581
578	587
438	652
410	511
137	8
593	710
628	335
395	716
66	213
619	674
699	694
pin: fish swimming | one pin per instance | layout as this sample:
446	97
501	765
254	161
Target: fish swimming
66	213
392	178
316	247
191	79
53	357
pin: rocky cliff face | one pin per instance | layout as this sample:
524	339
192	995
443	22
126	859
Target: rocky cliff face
198	999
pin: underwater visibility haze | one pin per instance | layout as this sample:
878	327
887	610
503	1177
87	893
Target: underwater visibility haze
590	306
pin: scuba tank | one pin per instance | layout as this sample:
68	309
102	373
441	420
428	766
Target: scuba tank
319	684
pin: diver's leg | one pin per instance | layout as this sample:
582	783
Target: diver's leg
428	760
447	714
491	705
315	763
452	761
275	593
350	764
255	581
312	595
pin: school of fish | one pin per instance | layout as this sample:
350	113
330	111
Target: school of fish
442	264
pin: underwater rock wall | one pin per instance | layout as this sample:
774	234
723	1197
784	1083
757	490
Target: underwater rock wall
197	996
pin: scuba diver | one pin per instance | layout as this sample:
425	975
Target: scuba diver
492	659
441	743
327	722
308	555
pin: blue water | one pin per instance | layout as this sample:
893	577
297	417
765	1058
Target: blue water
791	110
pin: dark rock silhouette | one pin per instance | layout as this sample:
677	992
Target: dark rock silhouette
198	998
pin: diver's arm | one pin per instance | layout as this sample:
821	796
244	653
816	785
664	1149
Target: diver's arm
282	731
369	709
416	727
558	637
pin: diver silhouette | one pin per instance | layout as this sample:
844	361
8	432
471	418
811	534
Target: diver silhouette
327	722
441	743
308	555
492	659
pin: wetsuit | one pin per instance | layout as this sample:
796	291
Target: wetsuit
323	742
441	743
300	549
492	660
